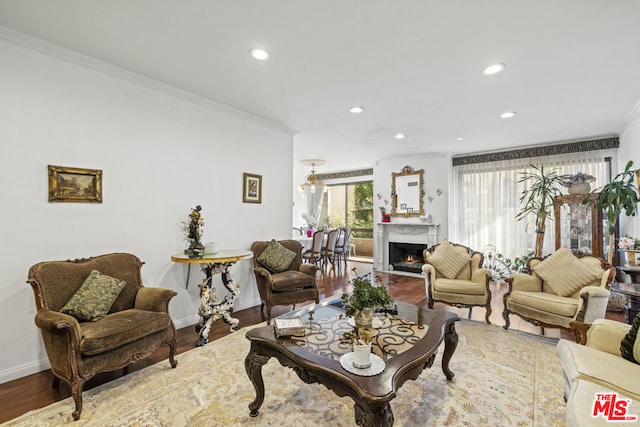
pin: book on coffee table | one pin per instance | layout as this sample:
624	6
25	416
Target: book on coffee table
289	326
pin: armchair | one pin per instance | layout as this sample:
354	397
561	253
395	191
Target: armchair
294	284
559	289
453	275
137	322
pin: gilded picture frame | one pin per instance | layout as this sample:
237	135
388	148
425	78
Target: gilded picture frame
67	184
251	188
407	191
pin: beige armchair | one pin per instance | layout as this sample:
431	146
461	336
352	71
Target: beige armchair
453	275
293	284
559	289
133	325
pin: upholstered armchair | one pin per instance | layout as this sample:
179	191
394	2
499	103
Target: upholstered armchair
96	316
559	289
281	276
453	275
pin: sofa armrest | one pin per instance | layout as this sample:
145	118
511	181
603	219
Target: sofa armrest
524	282
606	335
154	299
481	275
52	322
430	272
594	301
308	269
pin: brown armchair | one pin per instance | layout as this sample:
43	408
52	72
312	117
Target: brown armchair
453	275
294	285
137	323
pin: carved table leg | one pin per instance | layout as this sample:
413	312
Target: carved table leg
450	344
253	365
378	416
211	307
227	280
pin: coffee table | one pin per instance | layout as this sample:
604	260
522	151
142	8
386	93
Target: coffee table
406	341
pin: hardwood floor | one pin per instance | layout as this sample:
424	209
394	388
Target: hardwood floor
35	391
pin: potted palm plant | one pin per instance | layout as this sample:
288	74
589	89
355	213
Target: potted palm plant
620	195
537	199
365	299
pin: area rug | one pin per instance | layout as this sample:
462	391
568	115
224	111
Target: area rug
503	378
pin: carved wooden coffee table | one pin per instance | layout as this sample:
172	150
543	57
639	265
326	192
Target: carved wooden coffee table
406	341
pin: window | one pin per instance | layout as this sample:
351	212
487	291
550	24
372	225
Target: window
487	199
351	205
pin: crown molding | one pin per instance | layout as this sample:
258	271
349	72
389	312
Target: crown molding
57	51
633	115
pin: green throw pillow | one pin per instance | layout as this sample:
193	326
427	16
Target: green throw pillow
94	298
630	345
276	258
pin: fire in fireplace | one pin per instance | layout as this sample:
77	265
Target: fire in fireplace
406	256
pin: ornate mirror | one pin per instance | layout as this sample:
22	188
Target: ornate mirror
407	192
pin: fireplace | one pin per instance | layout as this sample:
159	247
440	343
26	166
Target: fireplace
406	256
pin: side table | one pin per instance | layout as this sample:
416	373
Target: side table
212	307
632	290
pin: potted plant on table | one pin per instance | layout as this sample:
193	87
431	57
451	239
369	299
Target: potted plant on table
385	216
620	195
365	299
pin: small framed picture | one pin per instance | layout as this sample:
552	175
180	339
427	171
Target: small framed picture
252	188
409	210
74	184
403	206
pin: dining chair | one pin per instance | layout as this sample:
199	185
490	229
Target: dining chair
343	247
314	255
328	254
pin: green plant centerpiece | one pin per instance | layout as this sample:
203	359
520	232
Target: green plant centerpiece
538	199
366	297
620	195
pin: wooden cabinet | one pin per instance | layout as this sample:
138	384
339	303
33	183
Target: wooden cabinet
581	227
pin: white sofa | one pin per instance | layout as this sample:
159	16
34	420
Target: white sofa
597	367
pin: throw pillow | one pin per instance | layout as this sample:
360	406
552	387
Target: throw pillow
448	261
276	258
630	345
94	298
563	273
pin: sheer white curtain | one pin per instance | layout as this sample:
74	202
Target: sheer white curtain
486	200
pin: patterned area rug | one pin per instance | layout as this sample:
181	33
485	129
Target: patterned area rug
503	378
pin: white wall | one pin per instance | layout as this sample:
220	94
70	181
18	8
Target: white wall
160	154
630	150
437	169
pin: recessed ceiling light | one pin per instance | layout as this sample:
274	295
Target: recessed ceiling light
399	135
459	138
356	109
493	69
259	54
507	114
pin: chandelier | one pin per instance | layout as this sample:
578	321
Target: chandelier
312	180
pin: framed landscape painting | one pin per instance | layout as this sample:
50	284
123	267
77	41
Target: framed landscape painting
74	184
252	188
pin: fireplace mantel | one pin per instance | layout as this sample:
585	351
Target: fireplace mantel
402	233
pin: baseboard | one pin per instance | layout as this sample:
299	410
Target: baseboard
24	370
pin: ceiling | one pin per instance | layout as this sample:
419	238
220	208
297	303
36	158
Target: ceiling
414	65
